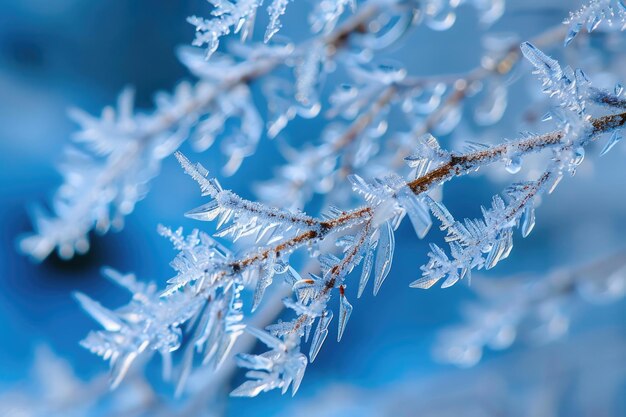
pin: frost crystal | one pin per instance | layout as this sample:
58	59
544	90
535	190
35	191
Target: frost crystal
238	16
228	16
479	243
595	13
278	368
570	89
276	9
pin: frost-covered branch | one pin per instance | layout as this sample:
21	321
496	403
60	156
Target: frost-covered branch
61	393
205	296
368	145
201	311
238	16
121	151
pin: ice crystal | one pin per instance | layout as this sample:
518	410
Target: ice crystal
567	87
615	137
229	16
276	9
238	16
595	13
152	321
479	243
279	368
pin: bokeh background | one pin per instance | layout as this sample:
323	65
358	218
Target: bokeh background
64	53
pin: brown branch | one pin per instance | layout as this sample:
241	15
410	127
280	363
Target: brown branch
335	272
365	119
457	165
460	164
461	84
295	242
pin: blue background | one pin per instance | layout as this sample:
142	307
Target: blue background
64	53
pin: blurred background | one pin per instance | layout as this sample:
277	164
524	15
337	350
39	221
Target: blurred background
70	53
